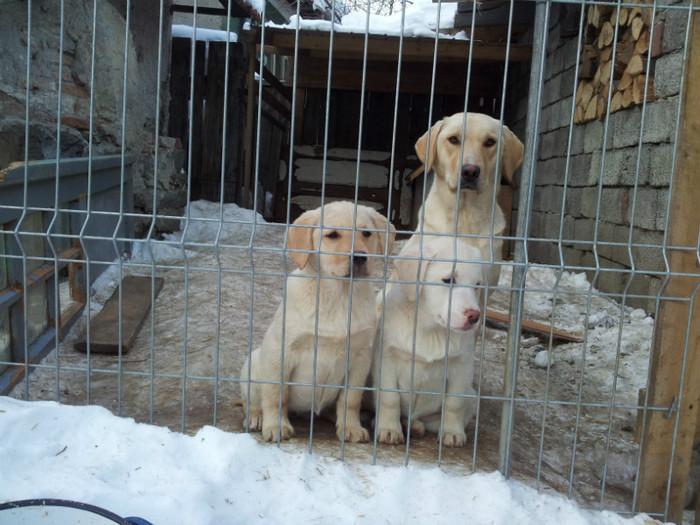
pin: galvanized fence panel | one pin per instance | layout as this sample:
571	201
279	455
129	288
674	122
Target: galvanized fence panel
605	201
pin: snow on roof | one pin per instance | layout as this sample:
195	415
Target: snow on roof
208	35
422	19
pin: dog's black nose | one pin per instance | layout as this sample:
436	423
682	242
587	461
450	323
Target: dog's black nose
359	257
470	176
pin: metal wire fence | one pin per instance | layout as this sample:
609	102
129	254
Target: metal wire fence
585	361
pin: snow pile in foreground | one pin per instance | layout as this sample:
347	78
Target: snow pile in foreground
87	454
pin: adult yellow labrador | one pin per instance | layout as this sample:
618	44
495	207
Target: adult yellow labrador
464	159
326	320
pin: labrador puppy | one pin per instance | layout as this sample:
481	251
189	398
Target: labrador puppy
327	319
464	160
444	280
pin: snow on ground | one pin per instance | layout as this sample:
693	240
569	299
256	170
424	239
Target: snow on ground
422	18
87	454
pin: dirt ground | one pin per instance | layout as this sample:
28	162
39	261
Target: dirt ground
182	371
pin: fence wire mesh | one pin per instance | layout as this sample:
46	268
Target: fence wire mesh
283	117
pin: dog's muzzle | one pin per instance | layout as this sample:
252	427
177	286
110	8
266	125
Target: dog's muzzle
469	179
359	264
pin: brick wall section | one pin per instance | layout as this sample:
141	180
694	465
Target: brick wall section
598	218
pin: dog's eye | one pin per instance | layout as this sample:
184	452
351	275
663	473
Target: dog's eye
332	235
448	280
454	139
366	234
489	142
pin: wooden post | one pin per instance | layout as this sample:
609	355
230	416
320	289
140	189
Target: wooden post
249	124
676	350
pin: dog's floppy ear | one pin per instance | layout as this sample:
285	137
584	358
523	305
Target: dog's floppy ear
512	154
380	223
301	238
422	146
407	270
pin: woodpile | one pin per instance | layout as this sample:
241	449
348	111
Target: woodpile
615	69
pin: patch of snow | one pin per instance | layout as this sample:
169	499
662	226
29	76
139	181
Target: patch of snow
87	454
203	34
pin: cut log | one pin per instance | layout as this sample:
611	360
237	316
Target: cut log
600	108
627	98
636	27
592	109
639	94
625	81
606	35
642	45
616	102
593	16
634	12
579	115
586	94
635	66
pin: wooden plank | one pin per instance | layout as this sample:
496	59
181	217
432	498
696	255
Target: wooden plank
674	382
386	48
535	327
249	131
209	177
136	303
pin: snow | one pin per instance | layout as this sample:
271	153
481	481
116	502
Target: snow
204	34
87	454
214	476
423	18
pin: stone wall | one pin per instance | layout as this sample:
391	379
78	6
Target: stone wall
597	236
69	56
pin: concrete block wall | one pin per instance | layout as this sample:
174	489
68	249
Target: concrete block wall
614	199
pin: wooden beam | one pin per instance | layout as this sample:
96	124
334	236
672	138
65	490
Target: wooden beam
386	48
674	382
536	327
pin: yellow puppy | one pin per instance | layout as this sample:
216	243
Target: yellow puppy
465	175
343	258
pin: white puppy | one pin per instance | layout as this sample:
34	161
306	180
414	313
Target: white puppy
320	333
447	317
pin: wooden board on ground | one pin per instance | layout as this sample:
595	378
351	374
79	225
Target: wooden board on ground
136	303
536	327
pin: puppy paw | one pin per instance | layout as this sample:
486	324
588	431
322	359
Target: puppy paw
417	428
454	439
390	436
284	431
353	434
255	420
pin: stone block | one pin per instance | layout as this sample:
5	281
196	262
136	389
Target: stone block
661	164
551	90
593	139
661	118
643	208
667	75
675	30
625	126
547	198
579	166
589	202
647	250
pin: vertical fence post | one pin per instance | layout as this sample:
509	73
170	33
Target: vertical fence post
674	379
520	255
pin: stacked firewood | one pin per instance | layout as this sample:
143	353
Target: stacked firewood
618	64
